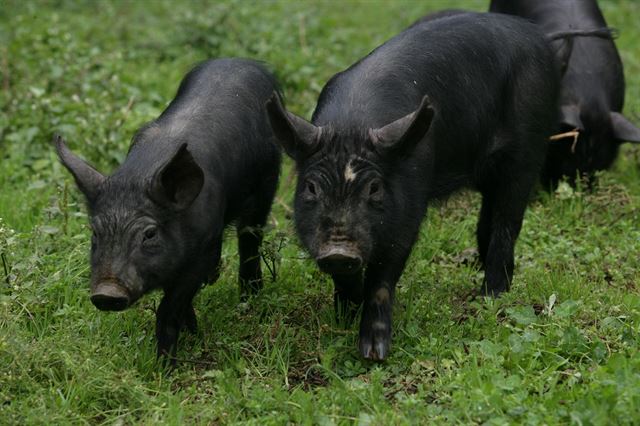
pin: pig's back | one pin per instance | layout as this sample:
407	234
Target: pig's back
554	15
462	62
595	67
219	112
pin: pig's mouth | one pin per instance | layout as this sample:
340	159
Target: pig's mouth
110	295
340	259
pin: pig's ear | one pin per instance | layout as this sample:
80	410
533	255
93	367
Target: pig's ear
570	116
405	132
623	129
297	136
563	49
87	178
178	182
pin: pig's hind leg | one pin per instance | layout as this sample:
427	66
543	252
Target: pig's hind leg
483	230
250	233
506	182
249	240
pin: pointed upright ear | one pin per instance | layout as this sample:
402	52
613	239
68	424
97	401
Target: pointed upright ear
178	182
297	136
87	178
405	132
570	116
623	129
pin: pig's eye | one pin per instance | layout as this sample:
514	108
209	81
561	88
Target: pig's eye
310	188
150	233
375	190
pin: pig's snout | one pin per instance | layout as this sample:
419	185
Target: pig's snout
340	259
110	296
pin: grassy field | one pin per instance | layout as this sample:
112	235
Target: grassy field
561	348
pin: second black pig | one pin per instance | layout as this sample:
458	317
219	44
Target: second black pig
158	220
592	93
461	101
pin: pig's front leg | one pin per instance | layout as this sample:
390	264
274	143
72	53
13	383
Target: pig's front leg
176	308
174	313
379	289
347	296
375	325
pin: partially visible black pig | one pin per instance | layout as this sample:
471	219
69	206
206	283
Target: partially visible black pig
466	100
158	220
592	88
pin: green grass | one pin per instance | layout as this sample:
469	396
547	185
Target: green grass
561	347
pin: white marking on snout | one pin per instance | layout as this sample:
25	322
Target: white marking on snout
349	174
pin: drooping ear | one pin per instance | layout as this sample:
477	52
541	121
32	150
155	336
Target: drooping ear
87	178
405	132
178	182
297	136
623	129
570	116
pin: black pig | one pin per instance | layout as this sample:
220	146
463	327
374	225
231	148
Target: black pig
461	101
158	220
592	88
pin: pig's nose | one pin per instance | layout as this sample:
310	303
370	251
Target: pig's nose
340	260
110	296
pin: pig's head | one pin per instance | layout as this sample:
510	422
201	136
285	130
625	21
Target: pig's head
343	187
600	134
136	244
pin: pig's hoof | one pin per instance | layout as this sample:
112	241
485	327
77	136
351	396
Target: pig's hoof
374	343
492	291
166	359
